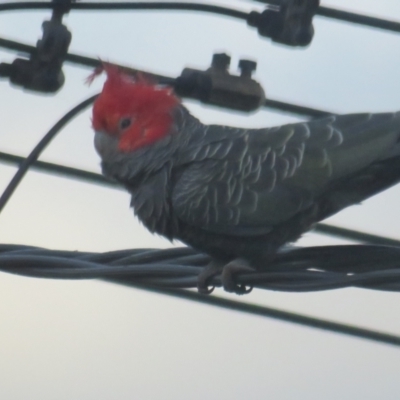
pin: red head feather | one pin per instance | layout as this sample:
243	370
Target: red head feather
134	110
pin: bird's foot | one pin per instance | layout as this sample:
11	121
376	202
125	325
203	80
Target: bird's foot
203	279
228	272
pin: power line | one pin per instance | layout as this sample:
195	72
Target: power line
209	8
93	62
109	6
34	155
355	235
296	109
60	170
372	22
281	315
293	269
92	177
134	268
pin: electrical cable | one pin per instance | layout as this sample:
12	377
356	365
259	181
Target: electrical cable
109	6
328	12
303	320
146	268
182	6
293	269
357	236
94	178
296	109
35	153
60	170
93	63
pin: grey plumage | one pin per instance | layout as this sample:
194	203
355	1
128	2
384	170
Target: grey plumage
245	192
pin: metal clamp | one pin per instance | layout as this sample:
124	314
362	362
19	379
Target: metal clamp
218	87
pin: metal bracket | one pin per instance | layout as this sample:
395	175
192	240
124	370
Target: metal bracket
290	24
42	72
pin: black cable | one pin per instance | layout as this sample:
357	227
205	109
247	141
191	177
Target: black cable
92	177
357	236
281	315
93	63
373	22
322	11
34	155
209	8
60	170
346	16
292	269
135	268
295	109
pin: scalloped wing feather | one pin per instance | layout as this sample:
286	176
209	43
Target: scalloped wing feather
244	182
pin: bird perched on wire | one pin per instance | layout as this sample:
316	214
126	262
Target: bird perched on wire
236	194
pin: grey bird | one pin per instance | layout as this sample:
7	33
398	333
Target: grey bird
236	194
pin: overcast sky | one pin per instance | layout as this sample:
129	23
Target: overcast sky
92	340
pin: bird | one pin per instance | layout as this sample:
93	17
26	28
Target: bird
236	194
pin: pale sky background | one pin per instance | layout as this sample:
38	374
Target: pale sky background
97	341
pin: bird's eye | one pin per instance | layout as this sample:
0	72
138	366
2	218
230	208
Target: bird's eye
125	123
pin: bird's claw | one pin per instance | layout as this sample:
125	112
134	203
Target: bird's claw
239	289
205	276
205	289
228	272
228	276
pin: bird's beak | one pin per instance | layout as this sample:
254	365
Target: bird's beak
102	142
